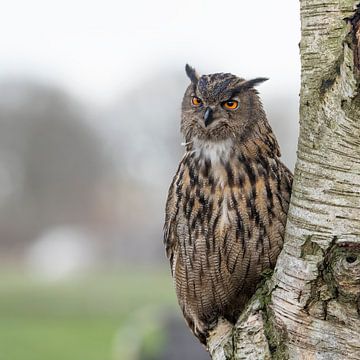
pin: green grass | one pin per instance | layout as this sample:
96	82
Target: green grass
79	319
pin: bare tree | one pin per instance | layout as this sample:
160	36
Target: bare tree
309	307
52	159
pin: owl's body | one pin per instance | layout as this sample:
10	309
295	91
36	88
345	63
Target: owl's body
227	204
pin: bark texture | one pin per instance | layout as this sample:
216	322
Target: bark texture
309	308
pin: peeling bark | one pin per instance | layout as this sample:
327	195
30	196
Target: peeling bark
310	308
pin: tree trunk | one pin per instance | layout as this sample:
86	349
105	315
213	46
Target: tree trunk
310	307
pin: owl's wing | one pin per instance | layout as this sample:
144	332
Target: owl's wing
171	212
259	212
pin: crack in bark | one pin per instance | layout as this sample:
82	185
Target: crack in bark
328	80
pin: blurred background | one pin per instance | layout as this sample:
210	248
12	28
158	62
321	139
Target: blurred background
90	96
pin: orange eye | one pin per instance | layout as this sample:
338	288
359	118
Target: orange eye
196	101
230	104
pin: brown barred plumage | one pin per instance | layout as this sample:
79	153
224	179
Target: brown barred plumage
227	204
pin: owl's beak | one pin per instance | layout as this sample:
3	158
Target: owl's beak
208	116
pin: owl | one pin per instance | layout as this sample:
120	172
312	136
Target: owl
228	201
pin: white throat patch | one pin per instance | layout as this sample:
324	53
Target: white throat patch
213	151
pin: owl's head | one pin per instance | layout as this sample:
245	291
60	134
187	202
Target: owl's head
220	106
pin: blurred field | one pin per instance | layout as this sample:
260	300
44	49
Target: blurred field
80	318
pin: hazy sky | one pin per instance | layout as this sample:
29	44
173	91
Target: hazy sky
99	49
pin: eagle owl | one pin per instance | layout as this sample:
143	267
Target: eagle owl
228	201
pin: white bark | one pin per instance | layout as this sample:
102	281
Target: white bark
310	307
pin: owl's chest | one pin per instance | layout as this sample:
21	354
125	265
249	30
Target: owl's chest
209	202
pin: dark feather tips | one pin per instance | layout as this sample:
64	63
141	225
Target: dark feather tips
191	73
248	84
253	82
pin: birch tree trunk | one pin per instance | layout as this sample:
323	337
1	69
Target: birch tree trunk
310	307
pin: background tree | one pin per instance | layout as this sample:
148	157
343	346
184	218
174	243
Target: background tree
309	308
51	162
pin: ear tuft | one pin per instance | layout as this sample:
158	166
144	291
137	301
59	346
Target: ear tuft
252	83
191	73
